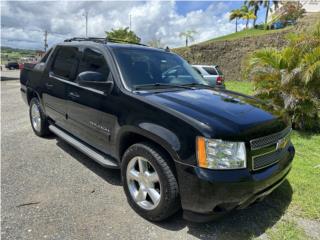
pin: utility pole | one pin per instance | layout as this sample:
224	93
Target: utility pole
45	40
86	16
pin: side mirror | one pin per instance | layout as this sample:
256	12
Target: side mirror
95	80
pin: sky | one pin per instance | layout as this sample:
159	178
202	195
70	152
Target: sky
23	22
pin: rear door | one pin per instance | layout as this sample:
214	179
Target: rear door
87	117
62	69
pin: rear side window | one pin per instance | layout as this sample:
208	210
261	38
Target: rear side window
94	60
66	63
210	70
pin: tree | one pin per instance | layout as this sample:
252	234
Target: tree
156	43
255	4
291	78
292	11
235	14
123	34
188	35
266	4
247	14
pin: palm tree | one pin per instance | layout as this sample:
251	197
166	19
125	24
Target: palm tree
247	14
188	35
235	14
291	78
255	4
266	4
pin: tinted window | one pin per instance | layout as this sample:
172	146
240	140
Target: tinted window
141	66
66	62
93	60
210	70
218	70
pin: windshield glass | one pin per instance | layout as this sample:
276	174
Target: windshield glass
141	67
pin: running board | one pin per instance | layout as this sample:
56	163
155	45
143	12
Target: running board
89	151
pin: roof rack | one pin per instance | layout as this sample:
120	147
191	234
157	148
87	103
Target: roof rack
102	40
92	39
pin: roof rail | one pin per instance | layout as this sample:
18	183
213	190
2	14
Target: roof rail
102	40
92	39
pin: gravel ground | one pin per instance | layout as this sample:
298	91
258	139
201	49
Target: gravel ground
51	191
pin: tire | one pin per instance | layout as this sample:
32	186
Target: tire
167	188
39	125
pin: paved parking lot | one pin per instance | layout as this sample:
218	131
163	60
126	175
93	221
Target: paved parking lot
52	191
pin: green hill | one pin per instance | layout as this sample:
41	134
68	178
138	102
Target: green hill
230	51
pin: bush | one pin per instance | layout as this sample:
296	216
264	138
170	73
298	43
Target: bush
291	78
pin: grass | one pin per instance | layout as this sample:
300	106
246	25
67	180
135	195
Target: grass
287	230
247	33
304	178
242	87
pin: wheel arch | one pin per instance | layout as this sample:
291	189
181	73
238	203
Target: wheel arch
132	135
31	94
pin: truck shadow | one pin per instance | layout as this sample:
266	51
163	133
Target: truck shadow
240	224
111	176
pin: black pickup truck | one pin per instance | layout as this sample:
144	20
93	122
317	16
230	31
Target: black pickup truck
178	142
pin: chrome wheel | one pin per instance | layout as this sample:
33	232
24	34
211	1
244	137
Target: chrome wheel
143	183
35	117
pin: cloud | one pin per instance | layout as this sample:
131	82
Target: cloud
23	23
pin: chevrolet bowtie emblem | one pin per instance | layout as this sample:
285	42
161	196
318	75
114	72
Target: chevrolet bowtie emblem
282	143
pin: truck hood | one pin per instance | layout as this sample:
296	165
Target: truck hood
228	115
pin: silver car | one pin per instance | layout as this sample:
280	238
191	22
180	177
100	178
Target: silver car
211	73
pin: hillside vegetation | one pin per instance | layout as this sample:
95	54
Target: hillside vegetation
230	51
14	54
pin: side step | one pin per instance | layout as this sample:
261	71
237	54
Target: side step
89	151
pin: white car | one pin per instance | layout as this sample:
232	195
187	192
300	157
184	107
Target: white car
211	73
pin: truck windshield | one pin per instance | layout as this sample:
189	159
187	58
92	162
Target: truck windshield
149	67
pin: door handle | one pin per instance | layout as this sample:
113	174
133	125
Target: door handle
49	85
74	95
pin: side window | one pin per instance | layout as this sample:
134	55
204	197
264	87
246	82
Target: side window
210	70
66	63
94	60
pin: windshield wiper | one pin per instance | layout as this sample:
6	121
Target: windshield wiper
197	85
161	85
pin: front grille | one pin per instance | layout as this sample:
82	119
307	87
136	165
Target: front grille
270	154
269	140
267	160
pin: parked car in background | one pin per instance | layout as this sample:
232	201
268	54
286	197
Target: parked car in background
211	73
12	65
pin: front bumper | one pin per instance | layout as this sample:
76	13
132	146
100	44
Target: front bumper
207	193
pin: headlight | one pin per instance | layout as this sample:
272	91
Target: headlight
219	154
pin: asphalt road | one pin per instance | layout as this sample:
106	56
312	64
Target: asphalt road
51	191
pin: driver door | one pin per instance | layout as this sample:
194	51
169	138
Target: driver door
85	104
